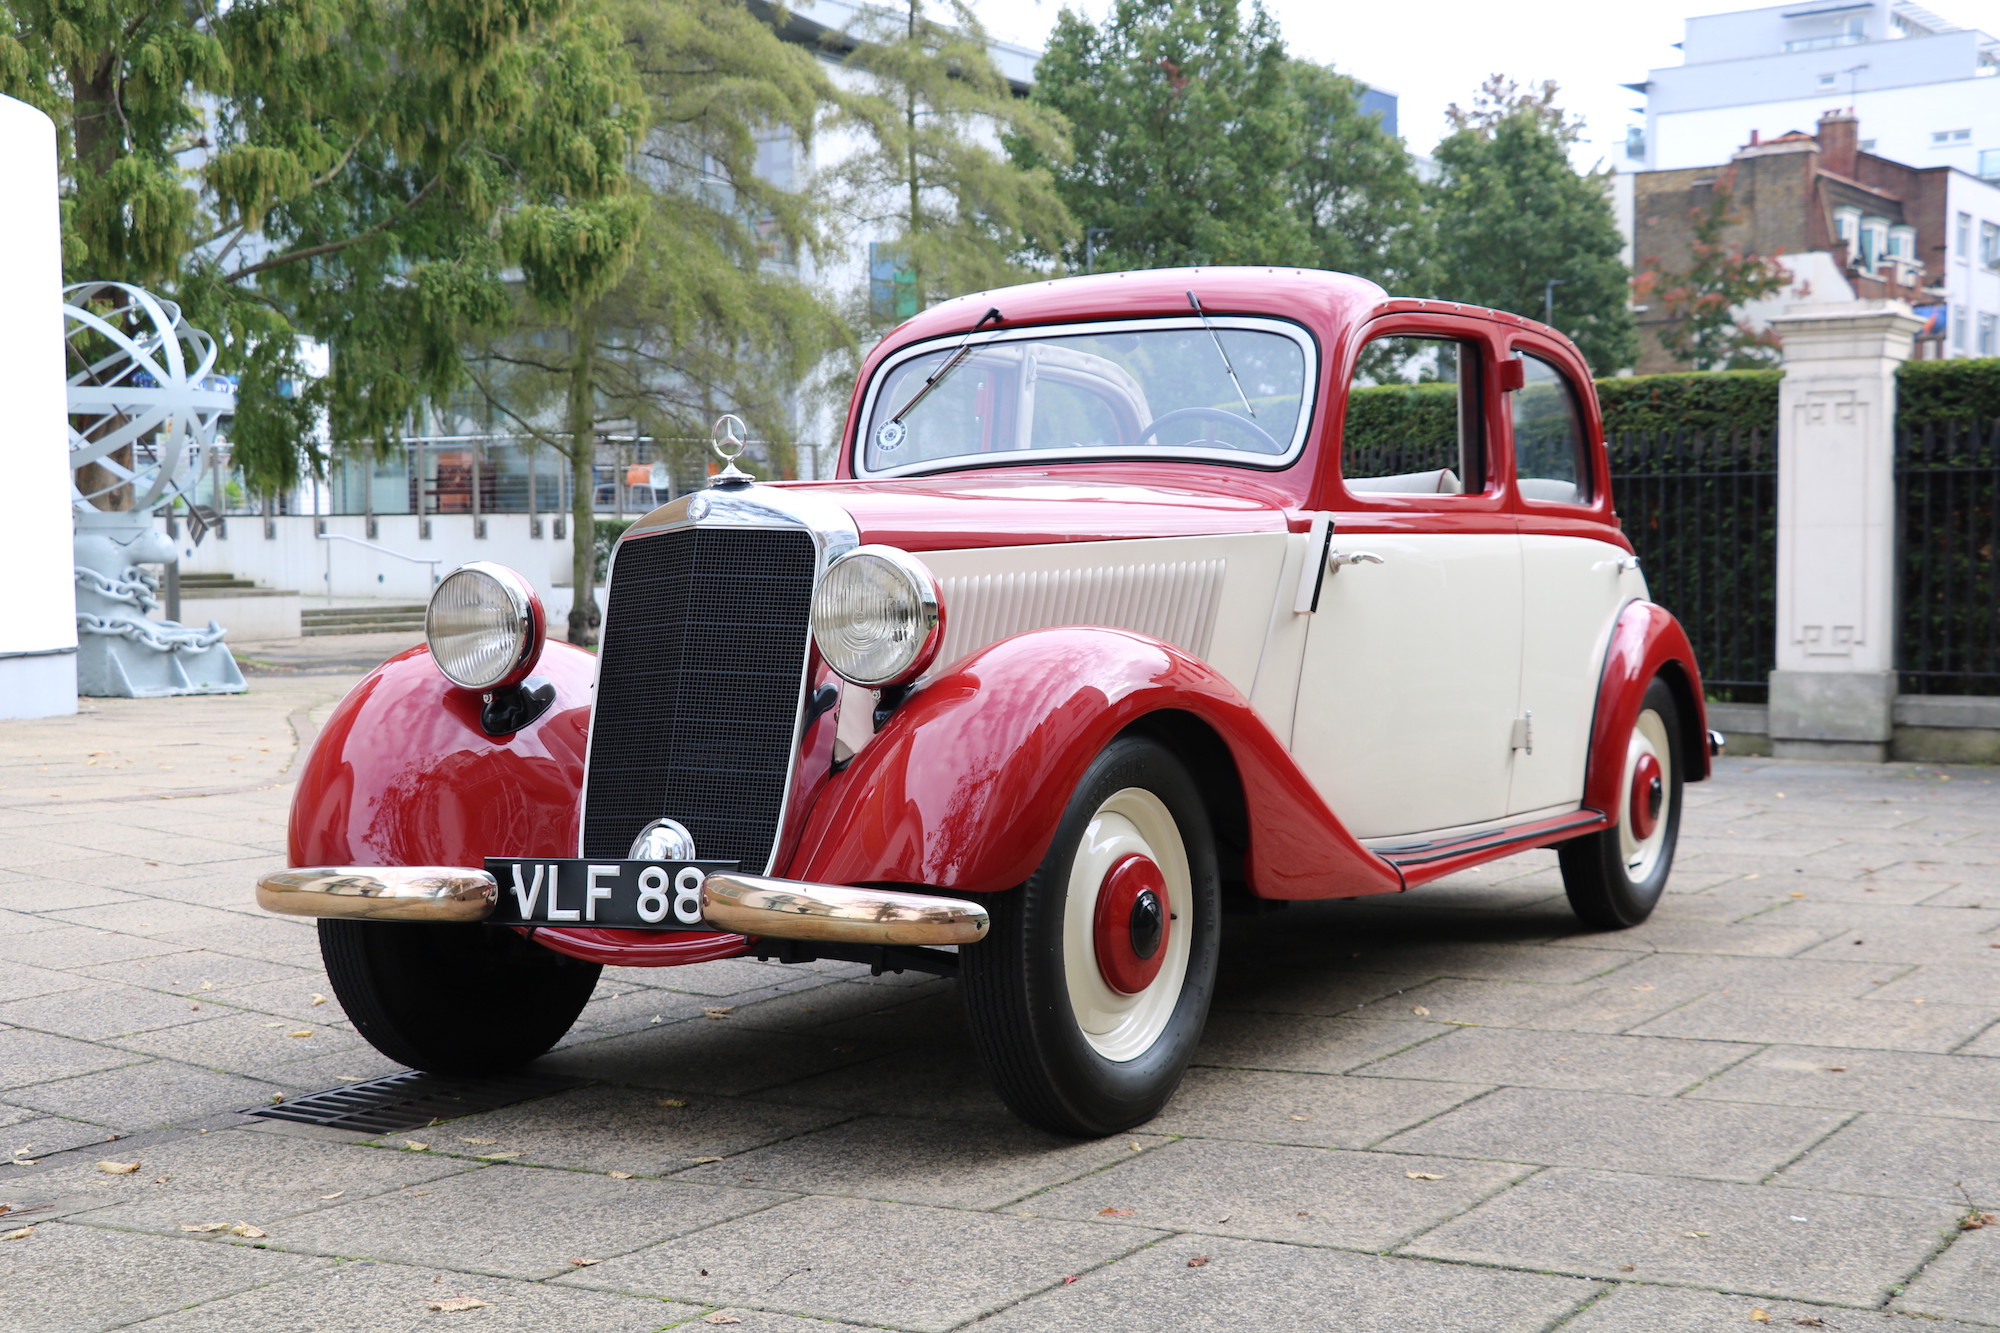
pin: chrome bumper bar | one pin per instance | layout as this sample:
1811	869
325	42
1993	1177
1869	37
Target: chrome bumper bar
778	909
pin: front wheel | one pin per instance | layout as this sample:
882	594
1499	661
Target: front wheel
1088	995
453	999
1614	878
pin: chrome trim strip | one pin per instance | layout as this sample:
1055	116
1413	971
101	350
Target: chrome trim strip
381	893
834	533
1417	854
1308	400
782	909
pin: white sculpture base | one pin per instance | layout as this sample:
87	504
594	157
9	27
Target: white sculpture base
120	652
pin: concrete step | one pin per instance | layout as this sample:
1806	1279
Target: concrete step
399	617
207	582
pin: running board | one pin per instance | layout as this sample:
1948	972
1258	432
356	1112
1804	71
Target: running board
1421	862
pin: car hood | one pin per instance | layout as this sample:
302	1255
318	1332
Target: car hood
1038	508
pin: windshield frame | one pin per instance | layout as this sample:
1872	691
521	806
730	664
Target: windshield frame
1150	453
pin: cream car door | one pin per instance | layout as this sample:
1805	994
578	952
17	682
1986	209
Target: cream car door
1411	671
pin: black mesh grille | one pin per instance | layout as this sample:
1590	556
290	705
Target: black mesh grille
699	689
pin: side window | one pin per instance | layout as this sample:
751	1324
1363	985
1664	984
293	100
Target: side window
1414	425
1548	436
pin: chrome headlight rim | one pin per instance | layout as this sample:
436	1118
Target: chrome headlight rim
528	636
928	598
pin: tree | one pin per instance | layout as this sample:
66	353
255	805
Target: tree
1185	127
1511	215
1353	184
1702	301
362	172
706	311
959	214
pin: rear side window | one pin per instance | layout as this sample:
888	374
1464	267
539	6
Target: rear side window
1414	425
1548	436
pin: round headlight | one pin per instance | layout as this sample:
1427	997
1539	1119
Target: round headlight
484	626
876	616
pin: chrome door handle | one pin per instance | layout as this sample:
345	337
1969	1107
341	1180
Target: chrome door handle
1339	558
1628	564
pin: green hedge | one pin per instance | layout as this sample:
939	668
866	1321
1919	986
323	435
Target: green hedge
1933	392
1717	402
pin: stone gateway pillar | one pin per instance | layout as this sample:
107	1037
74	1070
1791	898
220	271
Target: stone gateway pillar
1834	689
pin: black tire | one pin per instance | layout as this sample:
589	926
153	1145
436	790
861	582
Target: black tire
1016	984
453	999
1609	886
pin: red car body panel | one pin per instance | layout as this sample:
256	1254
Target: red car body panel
1647	642
962	790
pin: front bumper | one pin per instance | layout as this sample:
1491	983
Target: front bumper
778	909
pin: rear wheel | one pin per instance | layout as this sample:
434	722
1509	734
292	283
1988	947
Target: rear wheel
453	999
1089	993
1614	878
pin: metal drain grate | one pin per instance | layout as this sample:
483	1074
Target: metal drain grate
412	1100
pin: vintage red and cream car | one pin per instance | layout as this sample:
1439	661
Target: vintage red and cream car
1134	593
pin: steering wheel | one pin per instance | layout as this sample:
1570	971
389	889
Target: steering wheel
1213	413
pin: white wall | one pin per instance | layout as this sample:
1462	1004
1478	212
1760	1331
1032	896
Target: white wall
1970	286
38	608
295	558
1899	121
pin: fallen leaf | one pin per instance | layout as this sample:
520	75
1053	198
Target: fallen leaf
1136	1147
414	1146
1301	1117
1068	1281
1836	1069
584	1263
720	1318
1975	1221
277	1099
1627	1268
117	1168
454	1304
620	1175
23	1233
1422	1175
499	1156
1811	1321
317	1000
671	1101
1420	1011
193	1005
1798	895
704	1159
204	1228
302	1032
248	1232
484	1143
157	1180
1114	1212
208	985
335	1195
1644	985
1695	1235
717	1010
1199	1261
1760	1316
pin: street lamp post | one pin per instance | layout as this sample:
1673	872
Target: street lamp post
1549	300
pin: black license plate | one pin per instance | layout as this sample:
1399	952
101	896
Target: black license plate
630	895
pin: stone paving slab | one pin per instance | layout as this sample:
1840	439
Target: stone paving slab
1584	1098
928	1269
1831	1247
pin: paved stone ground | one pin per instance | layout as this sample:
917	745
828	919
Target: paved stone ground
1452	1110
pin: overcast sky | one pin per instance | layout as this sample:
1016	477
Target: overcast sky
1435	52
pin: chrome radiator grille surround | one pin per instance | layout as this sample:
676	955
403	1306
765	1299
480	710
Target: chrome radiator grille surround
700	685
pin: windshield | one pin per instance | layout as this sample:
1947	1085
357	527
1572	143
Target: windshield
1161	388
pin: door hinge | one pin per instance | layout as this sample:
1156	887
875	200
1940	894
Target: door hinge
1524	732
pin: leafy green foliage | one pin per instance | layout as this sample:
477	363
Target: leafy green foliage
1353	184
1716	403
1931	392
961	213
1185	122
1702	299
1511	215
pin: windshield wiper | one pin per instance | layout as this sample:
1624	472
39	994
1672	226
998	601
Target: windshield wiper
963	350
1195	301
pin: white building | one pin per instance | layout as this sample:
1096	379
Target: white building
1922	88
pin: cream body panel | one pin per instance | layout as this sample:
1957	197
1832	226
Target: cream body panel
1573	590
1210	596
1412	672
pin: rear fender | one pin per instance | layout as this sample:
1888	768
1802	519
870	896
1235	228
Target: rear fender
1647	642
964	785
403	774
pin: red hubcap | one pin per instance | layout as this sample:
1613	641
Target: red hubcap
1130	927
1649	796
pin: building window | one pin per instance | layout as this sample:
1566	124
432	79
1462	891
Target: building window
1962	249
1635	142
1867	145
1989	164
1958	327
1950	137
1989	335
1847	229
1903	242
892	283
1874	242
1826	80
1989	245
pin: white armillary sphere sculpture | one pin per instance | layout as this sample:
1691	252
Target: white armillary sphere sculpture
141	410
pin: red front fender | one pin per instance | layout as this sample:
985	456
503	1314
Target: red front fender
1647	642
964	786
403	774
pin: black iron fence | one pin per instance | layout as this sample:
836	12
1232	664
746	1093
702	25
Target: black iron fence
1948	548
1702	512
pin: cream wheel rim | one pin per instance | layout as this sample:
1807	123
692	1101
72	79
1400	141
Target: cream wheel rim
1124	1027
1642	855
